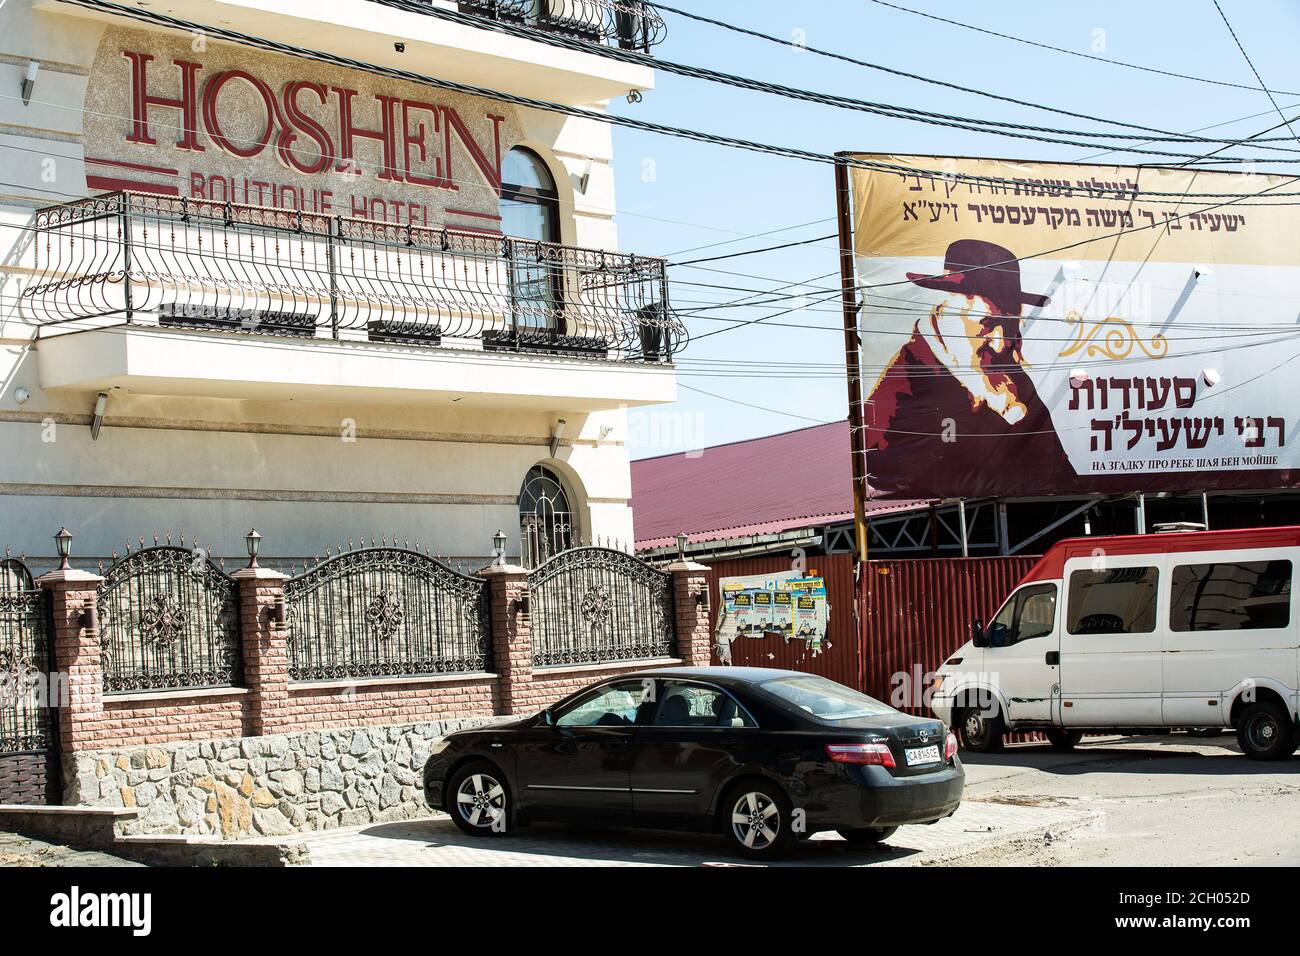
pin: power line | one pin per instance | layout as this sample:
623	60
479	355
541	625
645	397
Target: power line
753	252
1250	63
1086	56
893	111
803	48
148	16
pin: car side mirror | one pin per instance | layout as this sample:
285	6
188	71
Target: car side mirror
977	636
546	718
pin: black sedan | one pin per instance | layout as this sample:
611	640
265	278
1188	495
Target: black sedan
764	756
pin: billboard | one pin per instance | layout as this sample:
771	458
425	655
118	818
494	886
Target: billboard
1067	329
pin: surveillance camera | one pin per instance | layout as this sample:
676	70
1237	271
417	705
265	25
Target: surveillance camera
399	47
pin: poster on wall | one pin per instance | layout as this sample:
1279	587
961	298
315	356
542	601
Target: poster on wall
783	606
1041	328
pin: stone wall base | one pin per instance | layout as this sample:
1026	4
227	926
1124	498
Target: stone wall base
274	785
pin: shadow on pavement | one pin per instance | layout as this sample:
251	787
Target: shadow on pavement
616	845
1213	755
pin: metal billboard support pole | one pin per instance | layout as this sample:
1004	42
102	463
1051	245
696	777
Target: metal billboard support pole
857	431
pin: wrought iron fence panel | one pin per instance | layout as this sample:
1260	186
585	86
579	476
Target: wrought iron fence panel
385	612
630	24
24	661
591	605
168	618
254	269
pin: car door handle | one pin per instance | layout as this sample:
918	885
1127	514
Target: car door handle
1053	658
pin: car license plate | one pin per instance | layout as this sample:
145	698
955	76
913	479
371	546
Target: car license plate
920	755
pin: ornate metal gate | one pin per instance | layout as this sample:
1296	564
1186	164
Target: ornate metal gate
382	612
168	618
28	755
592	605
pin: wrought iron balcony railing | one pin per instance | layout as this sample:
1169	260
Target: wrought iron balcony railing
195	264
628	24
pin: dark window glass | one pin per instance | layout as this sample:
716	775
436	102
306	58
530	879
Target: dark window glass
1233	596
695	705
1113	601
613	706
1030	613
530	210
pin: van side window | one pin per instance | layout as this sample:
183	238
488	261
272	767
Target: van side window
1231	596
1031	613
1113	601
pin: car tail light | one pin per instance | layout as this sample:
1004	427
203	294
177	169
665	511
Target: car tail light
878	755
950	747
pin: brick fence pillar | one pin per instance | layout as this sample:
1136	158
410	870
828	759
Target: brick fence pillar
512	644
691	599
77	684
264	640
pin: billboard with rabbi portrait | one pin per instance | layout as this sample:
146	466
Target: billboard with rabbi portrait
1041	328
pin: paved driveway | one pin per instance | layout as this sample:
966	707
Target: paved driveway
437	842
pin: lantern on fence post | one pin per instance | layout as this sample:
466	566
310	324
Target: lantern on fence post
681	545
499	549
253	541
63	543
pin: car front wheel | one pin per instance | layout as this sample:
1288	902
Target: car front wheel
759	820
980	730
1265	732
479	801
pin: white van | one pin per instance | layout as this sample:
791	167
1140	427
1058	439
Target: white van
1135	634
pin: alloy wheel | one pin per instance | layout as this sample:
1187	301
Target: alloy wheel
755	821
481	800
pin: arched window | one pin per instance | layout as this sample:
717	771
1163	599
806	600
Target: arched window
530	210
547	522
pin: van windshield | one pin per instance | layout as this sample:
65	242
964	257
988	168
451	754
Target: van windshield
825	699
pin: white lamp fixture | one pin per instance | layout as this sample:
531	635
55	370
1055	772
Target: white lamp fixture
556	433
1078	377
29	81
1211	377
97	416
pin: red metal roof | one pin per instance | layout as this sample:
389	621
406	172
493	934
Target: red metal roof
760	486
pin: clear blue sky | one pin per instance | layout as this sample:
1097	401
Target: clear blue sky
674	195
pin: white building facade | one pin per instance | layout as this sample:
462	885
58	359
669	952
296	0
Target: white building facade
309	290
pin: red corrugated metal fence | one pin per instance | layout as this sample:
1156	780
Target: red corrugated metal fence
917	613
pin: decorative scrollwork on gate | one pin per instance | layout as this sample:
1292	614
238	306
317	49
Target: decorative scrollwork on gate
168	618
385	612
25	723
591	605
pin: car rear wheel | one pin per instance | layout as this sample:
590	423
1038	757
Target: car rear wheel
980	730
759	820
479	801
868	836
1265	732
1063	739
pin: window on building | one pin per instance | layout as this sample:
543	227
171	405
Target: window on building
547	523
1231	596
530	210
1113	601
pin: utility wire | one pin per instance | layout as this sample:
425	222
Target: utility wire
1250	63
234	36
803	48
1086	56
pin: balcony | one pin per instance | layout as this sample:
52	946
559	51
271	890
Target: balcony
178	296
461	51
626	24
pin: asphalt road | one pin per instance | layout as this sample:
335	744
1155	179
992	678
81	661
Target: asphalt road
1158	801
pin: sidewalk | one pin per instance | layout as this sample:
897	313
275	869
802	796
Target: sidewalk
437	842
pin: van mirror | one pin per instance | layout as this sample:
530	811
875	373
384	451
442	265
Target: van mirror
977	637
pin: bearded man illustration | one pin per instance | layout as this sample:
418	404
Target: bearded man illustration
956	398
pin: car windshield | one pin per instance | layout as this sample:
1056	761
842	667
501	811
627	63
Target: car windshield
825	699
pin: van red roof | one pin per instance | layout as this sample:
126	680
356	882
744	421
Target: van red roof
1052	565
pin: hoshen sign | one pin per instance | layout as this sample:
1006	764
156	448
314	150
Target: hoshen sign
1067	330
229	124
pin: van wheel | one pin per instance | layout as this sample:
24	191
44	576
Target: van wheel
979	730
1063	739
1265	732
